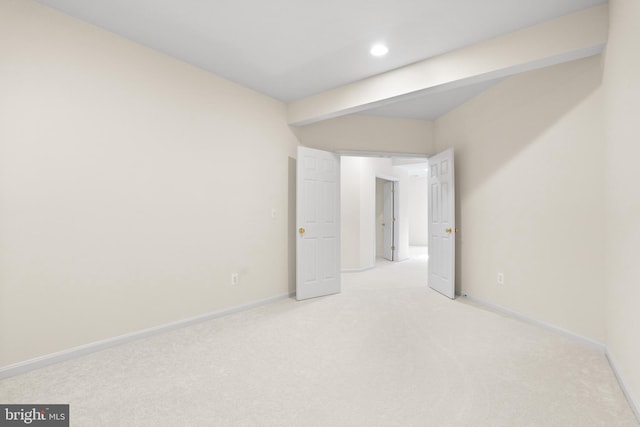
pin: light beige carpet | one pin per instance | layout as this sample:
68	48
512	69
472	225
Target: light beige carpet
387	351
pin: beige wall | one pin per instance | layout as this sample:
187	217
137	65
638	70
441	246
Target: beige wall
368	133
622	126
529	194
131	187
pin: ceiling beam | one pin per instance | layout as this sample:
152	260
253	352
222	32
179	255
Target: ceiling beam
560	40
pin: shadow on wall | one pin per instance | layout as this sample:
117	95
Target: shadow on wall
508	121
515	114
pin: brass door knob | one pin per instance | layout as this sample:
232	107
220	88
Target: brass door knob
301	230
448	230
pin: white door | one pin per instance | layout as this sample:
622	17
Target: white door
442	224
388	220
318	223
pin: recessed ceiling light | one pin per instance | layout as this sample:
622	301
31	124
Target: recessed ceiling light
379	50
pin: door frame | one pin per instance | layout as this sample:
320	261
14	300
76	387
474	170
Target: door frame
350	153
384	154
396	210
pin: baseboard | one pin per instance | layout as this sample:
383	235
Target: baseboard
495	307
72	353
357	270
633	403
635	406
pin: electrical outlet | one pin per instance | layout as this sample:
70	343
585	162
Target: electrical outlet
234	278
500	278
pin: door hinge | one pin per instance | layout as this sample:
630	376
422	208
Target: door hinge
393	248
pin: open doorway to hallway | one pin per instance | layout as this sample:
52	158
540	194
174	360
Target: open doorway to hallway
418	189
362	210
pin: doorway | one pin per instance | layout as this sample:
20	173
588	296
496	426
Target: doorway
362	202
351	246
387	214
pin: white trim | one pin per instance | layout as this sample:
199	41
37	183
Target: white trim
72	353
635	407
577	337
380	154
357	270
387	177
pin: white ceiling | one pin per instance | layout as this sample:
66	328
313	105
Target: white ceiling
290	49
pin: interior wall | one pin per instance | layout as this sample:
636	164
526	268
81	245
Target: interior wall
368	133
402	193
128	187
529	179
622	103
418	210
350	205
379	217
